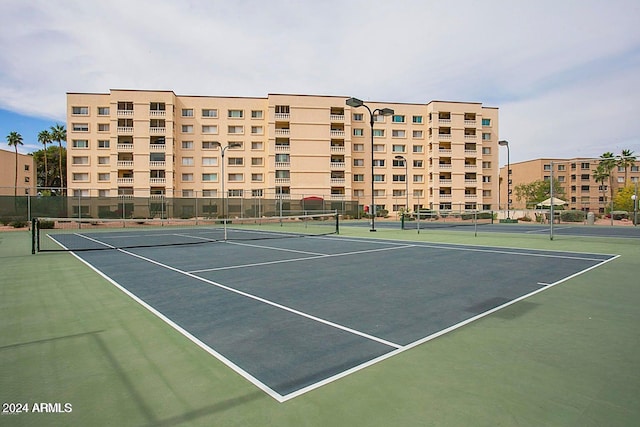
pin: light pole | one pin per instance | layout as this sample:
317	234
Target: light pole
506	144
224	196
634	198
355	103
406	180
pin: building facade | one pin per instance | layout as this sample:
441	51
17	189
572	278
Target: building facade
129	143
26	173
575	176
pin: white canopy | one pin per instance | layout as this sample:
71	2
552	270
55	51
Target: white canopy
556	202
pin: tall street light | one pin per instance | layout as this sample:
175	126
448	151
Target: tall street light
355	103
506	144
224	196
406	180
634	198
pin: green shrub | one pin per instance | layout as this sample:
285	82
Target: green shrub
620	214
46	225
572	216
19	224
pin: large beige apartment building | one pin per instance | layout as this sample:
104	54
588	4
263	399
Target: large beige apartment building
158	144
26	174
575	176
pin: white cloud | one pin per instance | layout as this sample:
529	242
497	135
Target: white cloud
564	73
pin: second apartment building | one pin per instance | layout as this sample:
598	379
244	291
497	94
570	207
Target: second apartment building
128	143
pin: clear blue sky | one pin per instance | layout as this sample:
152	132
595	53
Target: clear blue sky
565	74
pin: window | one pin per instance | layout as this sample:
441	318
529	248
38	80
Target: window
486	150
103	111
234	193
209	176
210	193
378	178
103	160
80	143
486	165
486	122
417	163
418	178
486	136
378	132
398	148
358	132
378	162
379	147
358	162
210	145
103	127
486	178
235	129
358	147
81	176
417	134
235	177
562	167
187	145
187	128
257	193
256	130
358	177
397	118
282	174
257	145
209	113
584	165
187	193
186	177
257	177
546	167
282	109
235	114
103	143
358	117
80	127
209	129
103	176
157	106
399	178
235	161
398	133
125	106
187	161
209	161
80	111
103	193
584	188
187	112
80	160
418	148
256	161
282	158
256	114
378	118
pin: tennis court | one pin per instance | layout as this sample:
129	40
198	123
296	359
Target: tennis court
290	315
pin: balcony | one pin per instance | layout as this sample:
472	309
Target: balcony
125	147
125	163
337	165
157	113
157	147
338	180
445	165
157	180
157	163
470	165
445	181
336	132
283	131
444	150
445	195
337	148
125	180
125	130
337	117
125	113
444	135
283	181
470	136
157	131
282	148
283	165
282	116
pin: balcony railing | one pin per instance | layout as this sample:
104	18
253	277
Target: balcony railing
444	135
445	165
157	113
283	180
338	180
469	122
157	147
157	130
337	117
157	180
125	180
445	181
282	116
125	130
337	165
283	165
125	113
281	132
337	148
337	132
125	147
282	147
157	163
470	166
445	195
337	196
472	136
125	163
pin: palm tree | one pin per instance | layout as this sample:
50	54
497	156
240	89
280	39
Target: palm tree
14	139
601	175
44	137
626	159
59	134
607	164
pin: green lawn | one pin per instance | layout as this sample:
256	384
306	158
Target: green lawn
568	356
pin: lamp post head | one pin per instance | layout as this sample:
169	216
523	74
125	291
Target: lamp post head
503	143
355	102
400	157
386	111
235	145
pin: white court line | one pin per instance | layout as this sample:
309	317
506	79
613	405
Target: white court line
231	267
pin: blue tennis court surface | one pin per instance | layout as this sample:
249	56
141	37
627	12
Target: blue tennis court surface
293	314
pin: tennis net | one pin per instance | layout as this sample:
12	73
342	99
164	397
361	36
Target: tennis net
446	218
84	234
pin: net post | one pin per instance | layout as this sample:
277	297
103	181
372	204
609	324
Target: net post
337	222
402	221
33	235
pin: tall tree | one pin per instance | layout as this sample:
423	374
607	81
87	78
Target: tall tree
627	158
608	163
14	139
601	175
59	134
44	137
